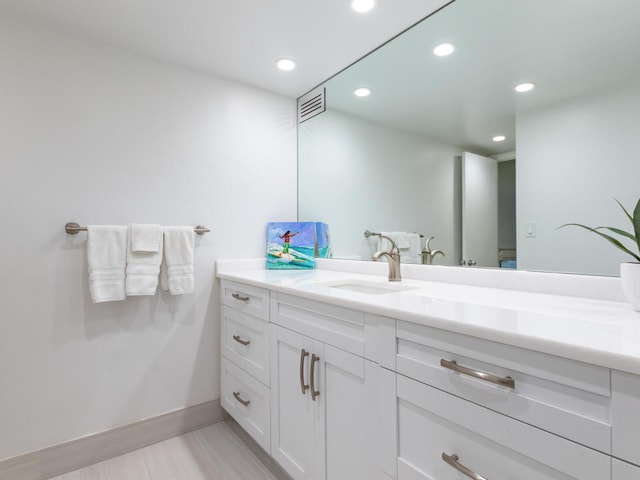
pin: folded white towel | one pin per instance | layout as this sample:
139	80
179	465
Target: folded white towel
402	240
146	238
414	247
178	260
107	256
142	269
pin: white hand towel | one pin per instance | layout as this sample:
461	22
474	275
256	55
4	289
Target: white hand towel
146	238
384	244
179	259
143	268
402	240
107	256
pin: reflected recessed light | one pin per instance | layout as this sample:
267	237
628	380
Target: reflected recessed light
524	87
444	49
362	92
362	6
286	64
499	138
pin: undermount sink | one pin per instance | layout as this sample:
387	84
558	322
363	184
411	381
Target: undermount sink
371	288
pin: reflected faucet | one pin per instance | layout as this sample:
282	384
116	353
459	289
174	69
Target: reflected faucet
393	259
428	254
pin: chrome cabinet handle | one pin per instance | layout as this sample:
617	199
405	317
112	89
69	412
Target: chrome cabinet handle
238	398
304	387
239	340
242	298
471	263
314	392
487	377
453	461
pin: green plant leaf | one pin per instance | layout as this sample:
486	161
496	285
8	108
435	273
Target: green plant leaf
636	223
609	238
619	232
625	210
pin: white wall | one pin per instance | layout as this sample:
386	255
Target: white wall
371	177
99	135
574	158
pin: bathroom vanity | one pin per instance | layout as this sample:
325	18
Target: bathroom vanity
339	374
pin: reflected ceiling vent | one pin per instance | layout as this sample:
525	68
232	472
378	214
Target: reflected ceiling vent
311	104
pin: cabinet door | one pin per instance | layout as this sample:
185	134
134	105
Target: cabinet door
291	406
345	411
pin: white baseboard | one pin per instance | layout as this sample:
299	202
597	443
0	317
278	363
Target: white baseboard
82	452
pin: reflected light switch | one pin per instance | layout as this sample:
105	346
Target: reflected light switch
530	229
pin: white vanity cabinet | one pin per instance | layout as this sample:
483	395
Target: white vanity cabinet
245	369
324	399
625	471
335	393
626	417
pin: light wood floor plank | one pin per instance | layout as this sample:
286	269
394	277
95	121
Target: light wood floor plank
212	453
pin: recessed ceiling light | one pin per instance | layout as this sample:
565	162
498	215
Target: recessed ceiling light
362	92
362	6
499	138
524	87
444	49
286	64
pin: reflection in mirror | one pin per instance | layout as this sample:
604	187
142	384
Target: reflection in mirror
395	160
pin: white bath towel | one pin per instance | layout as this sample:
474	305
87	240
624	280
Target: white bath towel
143	267
178	260
146	238
107	256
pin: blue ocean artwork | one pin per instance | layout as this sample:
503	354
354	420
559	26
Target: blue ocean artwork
291	245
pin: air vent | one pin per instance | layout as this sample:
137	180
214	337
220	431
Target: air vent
311	104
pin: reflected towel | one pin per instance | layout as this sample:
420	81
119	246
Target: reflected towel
107	257
178	265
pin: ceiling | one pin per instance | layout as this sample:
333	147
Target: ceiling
237	39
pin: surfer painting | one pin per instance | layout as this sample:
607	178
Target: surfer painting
286	252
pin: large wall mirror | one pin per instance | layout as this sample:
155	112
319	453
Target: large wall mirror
402	158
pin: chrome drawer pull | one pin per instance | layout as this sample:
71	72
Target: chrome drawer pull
239	340
304	387
487	377
314	392
238	398
242	298
453	461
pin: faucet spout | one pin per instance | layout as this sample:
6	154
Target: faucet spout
393	259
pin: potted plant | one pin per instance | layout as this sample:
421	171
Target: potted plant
629	272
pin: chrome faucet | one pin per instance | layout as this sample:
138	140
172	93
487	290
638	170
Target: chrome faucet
428	254
393	259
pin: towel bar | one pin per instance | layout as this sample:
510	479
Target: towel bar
368	234
73	228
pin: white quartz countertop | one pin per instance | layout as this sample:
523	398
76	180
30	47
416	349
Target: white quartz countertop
599	332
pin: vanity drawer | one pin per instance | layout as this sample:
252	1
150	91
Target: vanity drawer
334	325
247	401
432	423
562	396
245	298
245	341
